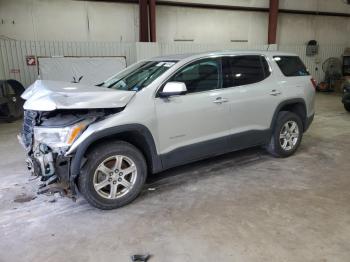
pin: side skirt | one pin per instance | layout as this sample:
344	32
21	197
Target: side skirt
219	146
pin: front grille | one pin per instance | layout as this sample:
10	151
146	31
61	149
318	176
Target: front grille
28	128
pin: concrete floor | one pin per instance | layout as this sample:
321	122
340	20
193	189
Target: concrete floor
244	206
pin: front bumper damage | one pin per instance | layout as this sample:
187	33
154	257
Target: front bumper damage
53	104
52	168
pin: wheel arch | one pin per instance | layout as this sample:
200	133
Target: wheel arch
135	134
297	106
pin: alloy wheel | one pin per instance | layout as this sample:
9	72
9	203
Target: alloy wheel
115	177
289	135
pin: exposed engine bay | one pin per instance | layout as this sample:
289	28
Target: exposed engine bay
48	162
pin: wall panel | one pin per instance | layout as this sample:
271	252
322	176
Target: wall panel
70	20
13	53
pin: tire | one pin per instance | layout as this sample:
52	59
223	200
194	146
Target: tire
103	168
347	107
277	147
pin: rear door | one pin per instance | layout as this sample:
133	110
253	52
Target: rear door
254	95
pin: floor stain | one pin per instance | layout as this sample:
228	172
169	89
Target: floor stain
24	198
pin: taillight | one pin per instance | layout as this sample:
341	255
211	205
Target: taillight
314	82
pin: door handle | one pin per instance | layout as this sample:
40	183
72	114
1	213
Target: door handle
274	92
220	100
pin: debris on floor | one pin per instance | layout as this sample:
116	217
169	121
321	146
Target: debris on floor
54	197
22	198
140	258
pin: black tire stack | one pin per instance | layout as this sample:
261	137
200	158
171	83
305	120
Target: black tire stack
11	103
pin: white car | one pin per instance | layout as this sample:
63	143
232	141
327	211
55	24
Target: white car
161	113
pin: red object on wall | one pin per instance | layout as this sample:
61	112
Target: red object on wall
31	60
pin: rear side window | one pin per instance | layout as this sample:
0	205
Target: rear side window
291	65
244	70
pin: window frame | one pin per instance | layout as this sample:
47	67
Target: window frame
219	57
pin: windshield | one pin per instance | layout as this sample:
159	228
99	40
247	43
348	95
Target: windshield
138	75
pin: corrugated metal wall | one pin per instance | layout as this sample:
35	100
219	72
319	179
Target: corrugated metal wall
13	53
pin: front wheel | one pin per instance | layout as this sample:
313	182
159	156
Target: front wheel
113	175
286	136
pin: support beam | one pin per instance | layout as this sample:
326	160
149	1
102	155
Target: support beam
143	25
229	7
273	19
152	20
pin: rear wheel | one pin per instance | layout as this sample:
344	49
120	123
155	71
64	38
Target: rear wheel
287	135
113	175
347	107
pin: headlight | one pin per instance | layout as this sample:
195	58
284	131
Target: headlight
60	137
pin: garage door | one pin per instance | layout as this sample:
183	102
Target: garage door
86	70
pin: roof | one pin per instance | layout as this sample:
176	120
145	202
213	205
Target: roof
178	57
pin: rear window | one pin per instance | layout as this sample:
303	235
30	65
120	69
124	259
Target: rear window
291	65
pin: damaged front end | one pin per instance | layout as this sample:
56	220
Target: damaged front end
47	136
55	115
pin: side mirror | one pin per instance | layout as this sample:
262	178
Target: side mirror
173	89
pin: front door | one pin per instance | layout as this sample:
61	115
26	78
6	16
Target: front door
196	124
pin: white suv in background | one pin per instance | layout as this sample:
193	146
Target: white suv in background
161	113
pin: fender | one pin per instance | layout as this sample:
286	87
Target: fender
151	153
289	102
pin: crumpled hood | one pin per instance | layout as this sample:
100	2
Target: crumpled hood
45	95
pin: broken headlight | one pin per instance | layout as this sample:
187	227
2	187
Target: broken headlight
60	137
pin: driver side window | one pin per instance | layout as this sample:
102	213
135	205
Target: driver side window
202	75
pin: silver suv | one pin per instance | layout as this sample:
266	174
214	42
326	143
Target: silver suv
160	113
